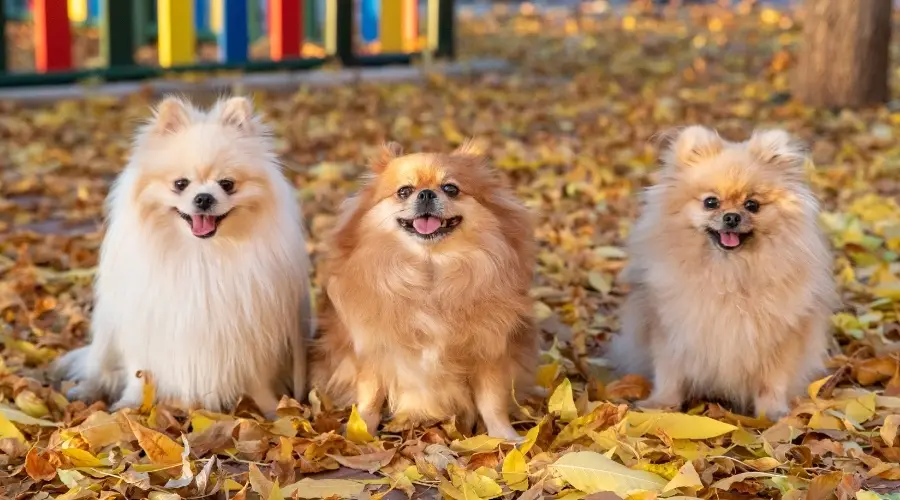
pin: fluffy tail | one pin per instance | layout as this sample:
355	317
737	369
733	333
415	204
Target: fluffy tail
302	344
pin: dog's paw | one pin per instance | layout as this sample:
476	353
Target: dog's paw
83	392
124	404
658	404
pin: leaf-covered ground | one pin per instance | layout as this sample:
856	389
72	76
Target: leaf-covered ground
571	127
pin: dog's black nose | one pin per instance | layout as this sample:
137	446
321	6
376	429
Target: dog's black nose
731	219
204	200
426	195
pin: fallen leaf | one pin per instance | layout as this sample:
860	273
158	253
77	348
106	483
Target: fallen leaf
591	472
687	477
356	429
38	467
160	449
679	425
323	488
515	471
562	402
888	430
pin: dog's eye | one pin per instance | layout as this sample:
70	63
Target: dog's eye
181	184
404	192
752	206
451	189
711	203
227	185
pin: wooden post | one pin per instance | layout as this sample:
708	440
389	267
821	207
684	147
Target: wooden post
442	28
399	19
312	29
339	30
52	36
177	40
369	19
78	11
285	28
233	39
845	54
117	39
2	37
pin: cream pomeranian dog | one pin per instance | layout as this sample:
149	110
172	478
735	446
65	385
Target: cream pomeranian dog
427	305
731	282
202	281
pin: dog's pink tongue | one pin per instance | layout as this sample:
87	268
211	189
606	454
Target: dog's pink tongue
426	225
201	225
729	239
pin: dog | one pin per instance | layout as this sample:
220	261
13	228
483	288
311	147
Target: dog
730	275
427	278
202	281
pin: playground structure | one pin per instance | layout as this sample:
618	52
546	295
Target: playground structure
176	26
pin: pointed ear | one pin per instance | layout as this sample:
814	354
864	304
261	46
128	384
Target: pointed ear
777	148
389	151
691	146
171	115
237	112
470	147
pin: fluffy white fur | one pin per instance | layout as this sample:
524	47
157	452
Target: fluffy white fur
749	325
210	319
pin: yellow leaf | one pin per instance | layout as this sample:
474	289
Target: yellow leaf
70	478
822	421
149	393
546	374
81	458
813	389
9	430
21	417
323	488
476	444
888	431
160	449
591	472
31	404
357	431
600	282
260	483
102	429
515	471
531	437
687	477
861	410
868	495
678	425
763	464
562	402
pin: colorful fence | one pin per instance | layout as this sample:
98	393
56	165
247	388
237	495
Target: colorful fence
177	26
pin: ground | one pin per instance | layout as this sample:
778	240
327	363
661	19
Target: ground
572	129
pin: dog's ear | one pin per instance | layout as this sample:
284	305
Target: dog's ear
171	115
388	152
690	146
237	112
778	148
470	147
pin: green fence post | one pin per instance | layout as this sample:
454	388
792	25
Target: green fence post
3	36
311	29
442	28
117	19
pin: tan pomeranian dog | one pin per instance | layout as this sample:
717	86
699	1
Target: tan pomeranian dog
202	280
427	306
731	282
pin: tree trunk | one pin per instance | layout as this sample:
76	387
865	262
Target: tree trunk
845	54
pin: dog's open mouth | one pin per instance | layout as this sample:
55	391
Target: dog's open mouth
728	240
429	225
203	225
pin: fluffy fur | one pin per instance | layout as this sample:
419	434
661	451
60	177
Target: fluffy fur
212	302
736	312
436	321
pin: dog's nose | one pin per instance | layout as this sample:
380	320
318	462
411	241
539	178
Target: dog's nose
731	219
426	195
204	200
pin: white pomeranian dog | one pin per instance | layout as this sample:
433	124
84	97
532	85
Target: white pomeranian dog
202	281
